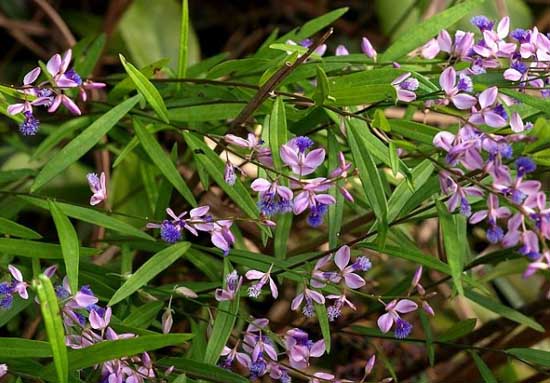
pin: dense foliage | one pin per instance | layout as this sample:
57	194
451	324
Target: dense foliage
295	215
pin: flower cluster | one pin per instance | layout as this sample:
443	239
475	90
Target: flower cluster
87	323
16	286
51	93
475	151
302	194
198	220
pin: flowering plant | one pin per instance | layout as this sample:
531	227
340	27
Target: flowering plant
267	217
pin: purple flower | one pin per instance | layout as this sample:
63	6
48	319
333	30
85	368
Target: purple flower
232	284
525	165
229	175
393	309
448	83
252	143
405	85
295	154
489	113
19	286
300	348
341	50
169	232
342	259
3	369
263	278
309	296
100	318
482	22
367	48
335	310
232	354
317	203
274	198
98	187
221	235
30	125
494	212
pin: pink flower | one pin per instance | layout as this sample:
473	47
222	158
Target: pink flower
19	286
342	259
367	48
489	113
309	296
297	156
393	309
232	284
98	187
405	85
448	83
263	278
299	348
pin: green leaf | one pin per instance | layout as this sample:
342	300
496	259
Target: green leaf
114	349
92	216
538	103
184	39
429	337
82	143
162	160
483	369
143	315
226	315
394	159
369	175
458	330
34	249
205	112
505	311
24	348
359	95
150	269
424	31
147	89
322	317
336	210
69	244
539	357
202	370
414	130
17	230
54	325
322	90
411	255
214	166
87	53
453	230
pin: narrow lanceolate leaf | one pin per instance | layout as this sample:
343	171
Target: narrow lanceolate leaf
184	39
336	210
147	89
322	317
505	311
150	269
114	349
69	243
17	230
458	330
162	160
539	357
202	370
226	315
81	144
429	336
483	369
54	326
424	31
278	136
322	91
369	175
453	229
214	165
92	216
35	249
24	348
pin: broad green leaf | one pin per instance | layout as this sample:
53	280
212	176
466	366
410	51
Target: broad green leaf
69	243
226	315
184	39
81	144
203	370
95	217
369	175
54	325
162	160
500	309
539	357
147	89
150	269
322	317
483	369
214	166
458	330
35	249
24	348
453	230
424	31
114	349
17	230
